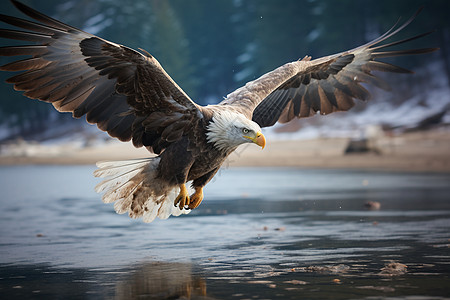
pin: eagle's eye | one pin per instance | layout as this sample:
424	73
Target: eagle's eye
245	130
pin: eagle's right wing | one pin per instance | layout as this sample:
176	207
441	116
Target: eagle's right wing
124	92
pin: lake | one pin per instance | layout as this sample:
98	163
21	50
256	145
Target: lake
260	233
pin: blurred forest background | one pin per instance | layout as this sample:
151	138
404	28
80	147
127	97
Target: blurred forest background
211	47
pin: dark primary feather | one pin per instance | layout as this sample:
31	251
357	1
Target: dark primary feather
332	83
117	88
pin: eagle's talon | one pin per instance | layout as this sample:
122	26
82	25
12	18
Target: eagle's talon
183	198
196	198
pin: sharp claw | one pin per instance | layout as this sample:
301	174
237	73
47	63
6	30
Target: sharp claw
182	203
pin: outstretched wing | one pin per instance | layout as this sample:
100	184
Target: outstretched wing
303	88
124	92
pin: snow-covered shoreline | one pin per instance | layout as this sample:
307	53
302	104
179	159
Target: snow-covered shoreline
423	151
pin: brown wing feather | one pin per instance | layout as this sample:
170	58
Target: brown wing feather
329	84
125	93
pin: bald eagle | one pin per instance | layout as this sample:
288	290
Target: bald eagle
129	95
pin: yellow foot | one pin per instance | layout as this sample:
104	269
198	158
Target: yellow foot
196	198
183	197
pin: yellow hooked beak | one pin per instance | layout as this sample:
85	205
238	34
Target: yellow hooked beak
259	139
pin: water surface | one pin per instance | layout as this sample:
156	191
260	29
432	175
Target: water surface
259	234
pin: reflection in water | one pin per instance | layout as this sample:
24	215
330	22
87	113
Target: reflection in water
152	280
290	234
161	280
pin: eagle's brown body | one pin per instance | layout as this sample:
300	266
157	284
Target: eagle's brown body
129	95
181	163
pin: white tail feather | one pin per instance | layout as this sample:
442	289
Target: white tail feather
122	205
111	168
133	186
116	182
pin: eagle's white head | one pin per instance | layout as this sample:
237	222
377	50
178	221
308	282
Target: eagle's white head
228	129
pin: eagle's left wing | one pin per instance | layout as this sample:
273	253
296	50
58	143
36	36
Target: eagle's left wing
325	85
